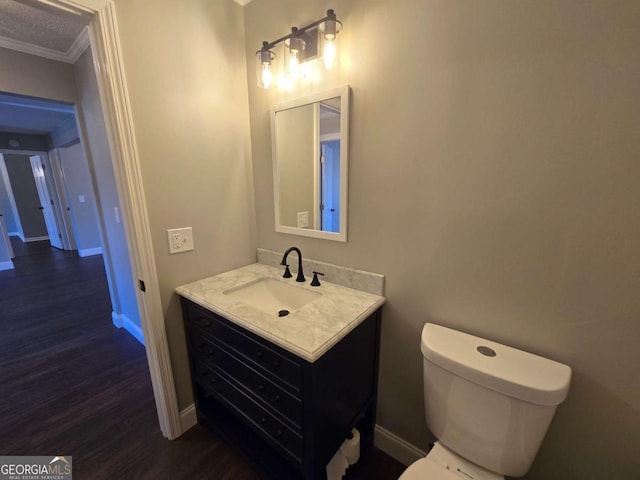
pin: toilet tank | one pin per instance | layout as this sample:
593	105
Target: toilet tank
487	402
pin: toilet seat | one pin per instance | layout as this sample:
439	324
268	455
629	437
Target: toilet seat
443	464
425	469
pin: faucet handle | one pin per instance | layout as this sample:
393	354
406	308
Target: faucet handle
287	272
315	282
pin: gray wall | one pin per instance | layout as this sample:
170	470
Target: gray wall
296	152
508	135
65	134
186	77
122	287
25	194
36	76
27	141
78	183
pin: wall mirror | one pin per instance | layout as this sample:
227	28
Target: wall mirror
310	138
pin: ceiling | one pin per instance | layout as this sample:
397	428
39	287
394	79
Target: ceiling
34	31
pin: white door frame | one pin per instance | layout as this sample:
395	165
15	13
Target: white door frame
108	63
65	221
4	176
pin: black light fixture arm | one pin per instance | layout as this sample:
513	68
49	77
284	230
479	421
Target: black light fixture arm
296	32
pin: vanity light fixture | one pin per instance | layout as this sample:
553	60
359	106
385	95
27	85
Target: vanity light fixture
300	48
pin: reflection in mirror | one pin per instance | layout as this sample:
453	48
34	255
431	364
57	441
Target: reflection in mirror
310	150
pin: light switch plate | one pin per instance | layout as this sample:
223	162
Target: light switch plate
303	219
180	239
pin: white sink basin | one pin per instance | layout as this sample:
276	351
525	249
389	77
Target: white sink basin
273	296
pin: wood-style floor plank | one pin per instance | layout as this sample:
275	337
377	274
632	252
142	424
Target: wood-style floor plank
73	384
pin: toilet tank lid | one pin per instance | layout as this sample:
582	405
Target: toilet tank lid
507	370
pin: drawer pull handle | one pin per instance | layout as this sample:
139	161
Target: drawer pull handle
278	433
263	420
213	380
260	388
209	349
276	398
205	322
259	354
276	364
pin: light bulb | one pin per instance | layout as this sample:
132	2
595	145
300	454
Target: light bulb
267	75
294	65
329	54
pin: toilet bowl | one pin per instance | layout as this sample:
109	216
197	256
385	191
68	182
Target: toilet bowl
489	406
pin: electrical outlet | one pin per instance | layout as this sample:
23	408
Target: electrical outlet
180	239
303	219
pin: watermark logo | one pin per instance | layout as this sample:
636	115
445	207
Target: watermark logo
36	468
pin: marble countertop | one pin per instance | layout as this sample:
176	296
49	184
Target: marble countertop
308	332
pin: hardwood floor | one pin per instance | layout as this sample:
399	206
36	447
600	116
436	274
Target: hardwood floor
73	384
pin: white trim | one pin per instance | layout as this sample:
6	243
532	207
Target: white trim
31	49
4	174
87	252
133	329
116	319
242	2
13	234
188	417
80	44
120	320
396	447
35	239
8	265
344	93
114	97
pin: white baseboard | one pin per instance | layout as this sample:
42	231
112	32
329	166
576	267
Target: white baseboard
116	319
396	447
87	252
35	239
120	320
188	417
8	265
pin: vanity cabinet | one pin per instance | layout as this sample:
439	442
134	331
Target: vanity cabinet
288	416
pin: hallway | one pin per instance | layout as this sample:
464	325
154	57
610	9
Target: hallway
73	384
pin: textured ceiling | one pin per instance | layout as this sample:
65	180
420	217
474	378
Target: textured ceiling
28	24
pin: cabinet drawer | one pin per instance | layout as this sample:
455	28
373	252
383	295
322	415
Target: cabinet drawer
256	352
271	394
258	418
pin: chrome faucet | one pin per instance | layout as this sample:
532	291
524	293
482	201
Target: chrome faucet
287	273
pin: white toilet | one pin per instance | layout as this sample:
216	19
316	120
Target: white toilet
489	405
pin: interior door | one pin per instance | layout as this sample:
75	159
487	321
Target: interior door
4	236
46	204
330	185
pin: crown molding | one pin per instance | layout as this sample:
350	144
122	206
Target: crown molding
70	56
32	49
242	2
81	43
